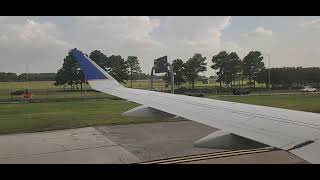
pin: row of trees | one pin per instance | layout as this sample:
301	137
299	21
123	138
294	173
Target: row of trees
115	65
188	71
290	76
229	68
13	77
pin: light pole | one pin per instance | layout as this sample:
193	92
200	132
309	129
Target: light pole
269	73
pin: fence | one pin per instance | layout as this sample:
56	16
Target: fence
54	95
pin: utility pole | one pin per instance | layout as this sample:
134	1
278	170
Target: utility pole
269	73
172	77
269	81
27	71
85	86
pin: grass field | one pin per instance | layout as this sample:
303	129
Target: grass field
32	117
141	84
62	110
304	102
14	86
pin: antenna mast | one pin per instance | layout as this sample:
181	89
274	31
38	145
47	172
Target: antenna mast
27	71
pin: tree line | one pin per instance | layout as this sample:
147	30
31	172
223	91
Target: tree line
230	69
115	65
13	77
290	76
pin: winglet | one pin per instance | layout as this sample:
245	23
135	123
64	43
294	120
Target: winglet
90	68
96	76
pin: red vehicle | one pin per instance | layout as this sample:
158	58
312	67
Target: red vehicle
26	94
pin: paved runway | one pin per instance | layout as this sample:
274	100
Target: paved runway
79	146
121	144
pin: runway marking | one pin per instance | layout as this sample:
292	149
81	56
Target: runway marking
207	156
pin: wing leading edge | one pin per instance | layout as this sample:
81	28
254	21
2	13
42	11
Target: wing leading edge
295	131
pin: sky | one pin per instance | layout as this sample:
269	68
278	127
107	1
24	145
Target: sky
41	43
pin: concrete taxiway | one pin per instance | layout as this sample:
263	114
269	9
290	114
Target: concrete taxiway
84	145
122	144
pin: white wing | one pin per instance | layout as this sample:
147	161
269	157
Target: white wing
295	131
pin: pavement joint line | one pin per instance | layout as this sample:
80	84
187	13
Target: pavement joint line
215	157
206	154
45	132
76	149
209	155
105	134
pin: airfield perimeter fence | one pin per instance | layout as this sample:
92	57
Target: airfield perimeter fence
61	94
46	95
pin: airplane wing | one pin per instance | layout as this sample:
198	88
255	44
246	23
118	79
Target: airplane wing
294	131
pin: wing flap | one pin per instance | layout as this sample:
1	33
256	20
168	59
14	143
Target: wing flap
309	152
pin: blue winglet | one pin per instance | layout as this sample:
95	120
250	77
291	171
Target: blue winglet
90	69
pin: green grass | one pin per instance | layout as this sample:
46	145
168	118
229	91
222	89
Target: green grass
14	86
141	84
303	102
32	117
60	110
54	95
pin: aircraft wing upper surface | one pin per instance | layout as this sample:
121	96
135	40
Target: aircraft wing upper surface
295	131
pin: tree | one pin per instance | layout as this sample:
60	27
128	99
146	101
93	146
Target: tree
7	77
133	66
69	73
177	66
117	68
61	78
252	65
228	66
262	77
99	58
233	66
115	65
193	66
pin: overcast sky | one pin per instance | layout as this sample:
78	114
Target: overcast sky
43	42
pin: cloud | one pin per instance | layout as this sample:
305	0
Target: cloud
43	42
123	35
231	46
186	35
30	42
32	33
118	31
311	24
198	33
150	37
259	32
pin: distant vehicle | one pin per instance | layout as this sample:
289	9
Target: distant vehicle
240	91
17	93
196	94
309	89
153	89
26	94
227	85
